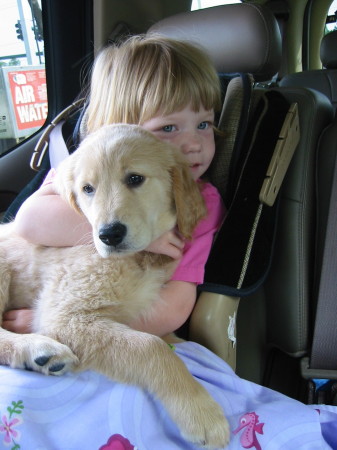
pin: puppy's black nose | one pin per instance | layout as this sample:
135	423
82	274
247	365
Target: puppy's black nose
113	234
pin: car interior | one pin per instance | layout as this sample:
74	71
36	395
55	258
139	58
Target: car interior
278	65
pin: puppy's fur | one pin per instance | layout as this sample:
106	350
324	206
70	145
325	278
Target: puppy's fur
132	188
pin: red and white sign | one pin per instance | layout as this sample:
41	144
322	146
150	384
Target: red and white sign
29	97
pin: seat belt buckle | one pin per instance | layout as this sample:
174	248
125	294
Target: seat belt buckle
322	384
41	148
285	147
42	144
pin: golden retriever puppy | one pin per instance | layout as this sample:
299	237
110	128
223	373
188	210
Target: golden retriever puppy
132	188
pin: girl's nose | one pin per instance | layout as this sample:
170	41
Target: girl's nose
191	143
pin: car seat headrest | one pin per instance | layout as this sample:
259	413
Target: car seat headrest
328	51
238	37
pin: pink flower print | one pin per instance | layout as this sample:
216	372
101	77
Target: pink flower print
7	427
117	442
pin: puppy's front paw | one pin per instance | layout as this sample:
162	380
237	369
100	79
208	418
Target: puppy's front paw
202	422
208	428
43	354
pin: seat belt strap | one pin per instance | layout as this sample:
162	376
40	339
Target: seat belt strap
324	348
57	147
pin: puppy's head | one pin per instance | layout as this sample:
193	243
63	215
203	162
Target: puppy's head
132	188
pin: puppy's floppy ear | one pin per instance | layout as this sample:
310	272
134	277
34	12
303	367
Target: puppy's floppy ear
64	181
189	203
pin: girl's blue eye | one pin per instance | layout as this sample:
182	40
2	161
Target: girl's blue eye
168	128
203	125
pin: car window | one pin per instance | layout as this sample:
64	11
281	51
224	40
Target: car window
201	4
331	19
23	90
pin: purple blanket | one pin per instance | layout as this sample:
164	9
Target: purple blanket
89	412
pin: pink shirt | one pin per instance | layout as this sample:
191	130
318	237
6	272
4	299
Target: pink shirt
192	265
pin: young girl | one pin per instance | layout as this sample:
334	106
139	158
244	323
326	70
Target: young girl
171	89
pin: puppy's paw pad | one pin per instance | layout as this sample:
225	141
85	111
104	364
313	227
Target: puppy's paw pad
45	355
42	360
56	367
58	362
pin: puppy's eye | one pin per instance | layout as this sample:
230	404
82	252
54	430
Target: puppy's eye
88	189
134	180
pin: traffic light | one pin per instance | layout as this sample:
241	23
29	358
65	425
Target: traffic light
19	30
37	34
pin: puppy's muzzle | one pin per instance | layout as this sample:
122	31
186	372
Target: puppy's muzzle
113	234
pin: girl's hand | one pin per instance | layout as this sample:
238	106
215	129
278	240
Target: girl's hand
18	320
169	244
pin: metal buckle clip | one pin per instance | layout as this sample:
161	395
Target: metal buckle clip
322	384
286	144
42	144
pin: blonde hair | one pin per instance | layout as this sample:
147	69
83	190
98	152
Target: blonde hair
145	75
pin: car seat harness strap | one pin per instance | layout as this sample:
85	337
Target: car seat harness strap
239	262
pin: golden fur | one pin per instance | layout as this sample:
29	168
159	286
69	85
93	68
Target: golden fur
132	188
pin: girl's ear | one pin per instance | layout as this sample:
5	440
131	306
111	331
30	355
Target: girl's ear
189	203
64	181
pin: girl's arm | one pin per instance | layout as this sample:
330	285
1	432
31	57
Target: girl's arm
18	320
177	300
166	315
46	219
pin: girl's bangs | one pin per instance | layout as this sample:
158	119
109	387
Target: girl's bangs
176	96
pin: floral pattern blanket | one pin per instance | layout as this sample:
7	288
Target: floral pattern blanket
89	412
